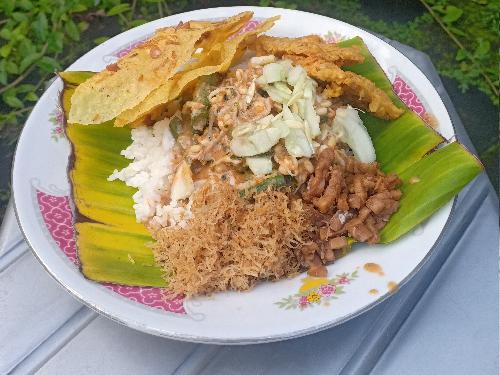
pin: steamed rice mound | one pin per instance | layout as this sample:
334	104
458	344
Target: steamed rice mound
231	242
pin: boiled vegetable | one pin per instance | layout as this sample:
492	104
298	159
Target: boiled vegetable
175	126
260	165
350	129
271	182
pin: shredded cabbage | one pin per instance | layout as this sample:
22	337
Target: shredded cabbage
274	72
350	129
297	124
297	144
260	165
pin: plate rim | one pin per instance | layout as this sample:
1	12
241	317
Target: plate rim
244	340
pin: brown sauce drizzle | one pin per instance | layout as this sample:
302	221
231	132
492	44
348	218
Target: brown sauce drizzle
392	286
374	268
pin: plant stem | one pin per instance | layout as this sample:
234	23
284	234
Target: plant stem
18	79
21	111
134	4
167	8
160	10
40	82
25	74
459	44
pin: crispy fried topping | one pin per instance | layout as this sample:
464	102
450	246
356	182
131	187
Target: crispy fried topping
358	90
349	199
311	45
226	247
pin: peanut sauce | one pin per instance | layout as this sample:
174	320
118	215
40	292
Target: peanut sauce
374	268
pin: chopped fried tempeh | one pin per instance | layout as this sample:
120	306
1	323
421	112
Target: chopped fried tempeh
311	45
360	90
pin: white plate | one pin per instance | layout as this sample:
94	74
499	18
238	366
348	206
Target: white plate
41	190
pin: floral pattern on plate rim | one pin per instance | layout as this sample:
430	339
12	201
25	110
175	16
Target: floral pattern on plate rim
56	118
317	291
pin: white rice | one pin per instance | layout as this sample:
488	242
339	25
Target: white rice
149	172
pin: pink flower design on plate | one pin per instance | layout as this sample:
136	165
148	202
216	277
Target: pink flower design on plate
64	232
327	290
58	216
50	200
408	96
343	280
303	301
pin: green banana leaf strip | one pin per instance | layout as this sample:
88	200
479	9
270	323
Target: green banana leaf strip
112	254
75	78
405	146
112	246
440	175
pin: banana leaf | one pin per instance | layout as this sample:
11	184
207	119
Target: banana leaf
113	247
406	146
440	175
398	143
110	253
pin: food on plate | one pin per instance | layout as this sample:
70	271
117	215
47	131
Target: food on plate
152	64
311	45
359	89
254	161
215	58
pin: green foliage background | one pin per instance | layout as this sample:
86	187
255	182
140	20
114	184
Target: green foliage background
39	37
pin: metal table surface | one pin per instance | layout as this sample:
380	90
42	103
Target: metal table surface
445	320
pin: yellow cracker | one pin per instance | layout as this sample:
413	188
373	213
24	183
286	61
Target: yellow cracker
125	84
218	59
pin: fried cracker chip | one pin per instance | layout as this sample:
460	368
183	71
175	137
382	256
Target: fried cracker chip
217	59
126	83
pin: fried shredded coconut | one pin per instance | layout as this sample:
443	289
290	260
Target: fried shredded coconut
232	242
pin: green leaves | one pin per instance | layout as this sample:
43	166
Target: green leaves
100	40
451	14
55	42
9	97
72	30
48	64
41	27
5	50
482	49
28	61
118	9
